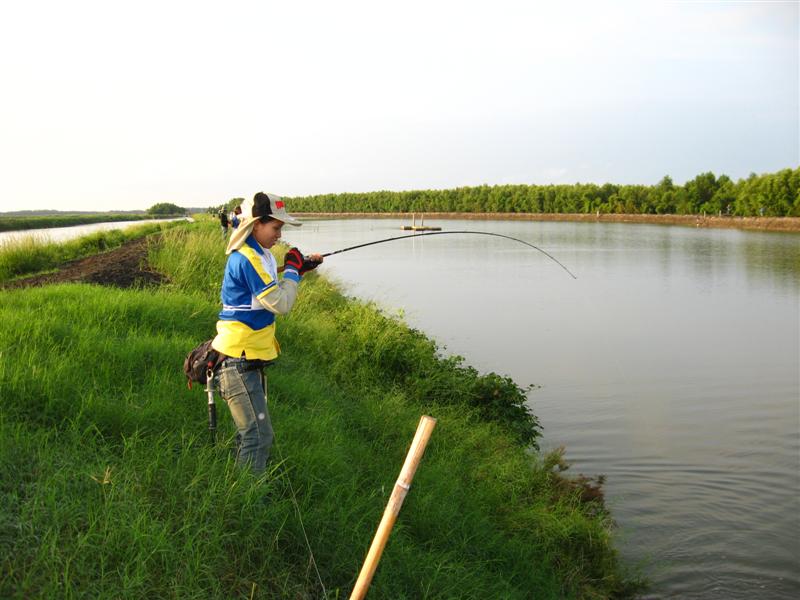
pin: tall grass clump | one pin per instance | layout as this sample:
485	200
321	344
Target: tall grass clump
28	255
110	488
193	258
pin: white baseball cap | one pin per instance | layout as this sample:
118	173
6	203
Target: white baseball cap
262	205
269	205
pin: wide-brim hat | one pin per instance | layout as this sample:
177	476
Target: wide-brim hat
262	205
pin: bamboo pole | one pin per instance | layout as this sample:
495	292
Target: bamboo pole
401	487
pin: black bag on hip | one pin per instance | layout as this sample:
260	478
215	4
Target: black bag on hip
199	361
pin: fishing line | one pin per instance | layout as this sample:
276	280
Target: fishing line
416	235
285	470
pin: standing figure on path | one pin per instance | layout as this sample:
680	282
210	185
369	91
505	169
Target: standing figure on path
236	218
252	295
223	222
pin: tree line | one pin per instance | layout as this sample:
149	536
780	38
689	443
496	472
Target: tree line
227	207
771	194
165	209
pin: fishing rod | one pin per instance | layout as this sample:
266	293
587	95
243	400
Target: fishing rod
416	235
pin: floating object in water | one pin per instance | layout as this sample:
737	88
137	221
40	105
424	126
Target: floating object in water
420	227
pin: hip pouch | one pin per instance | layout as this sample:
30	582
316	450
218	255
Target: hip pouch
200	361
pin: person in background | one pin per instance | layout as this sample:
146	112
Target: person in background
236	218
252	296
223	221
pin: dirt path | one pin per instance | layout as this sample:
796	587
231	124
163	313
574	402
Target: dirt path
123	267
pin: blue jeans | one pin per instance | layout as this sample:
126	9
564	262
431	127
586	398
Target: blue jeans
247	401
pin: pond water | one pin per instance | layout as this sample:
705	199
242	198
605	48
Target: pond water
671	365
62	234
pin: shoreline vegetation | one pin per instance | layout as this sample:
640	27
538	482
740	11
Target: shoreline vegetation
109	486
771	195
789	224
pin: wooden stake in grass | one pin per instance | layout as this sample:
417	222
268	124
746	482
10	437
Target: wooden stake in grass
424	430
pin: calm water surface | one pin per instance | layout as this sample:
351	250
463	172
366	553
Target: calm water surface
671	365
62	234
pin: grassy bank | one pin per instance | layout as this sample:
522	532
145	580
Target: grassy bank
30	255
49	221
110	489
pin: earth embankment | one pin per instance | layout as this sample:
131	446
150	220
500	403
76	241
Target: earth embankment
122	267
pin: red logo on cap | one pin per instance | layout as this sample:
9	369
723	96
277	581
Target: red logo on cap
279	204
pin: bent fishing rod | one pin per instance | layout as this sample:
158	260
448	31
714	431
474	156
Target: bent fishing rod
417	235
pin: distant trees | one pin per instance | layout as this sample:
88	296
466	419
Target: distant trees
165	209
772	194
233	203
227	207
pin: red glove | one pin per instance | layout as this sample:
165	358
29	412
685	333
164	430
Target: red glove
294	260
293	264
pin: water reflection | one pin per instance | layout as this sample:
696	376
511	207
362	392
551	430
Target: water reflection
672	365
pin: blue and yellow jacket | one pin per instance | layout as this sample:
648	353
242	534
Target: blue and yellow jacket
250	294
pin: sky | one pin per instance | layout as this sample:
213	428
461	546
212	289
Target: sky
118	106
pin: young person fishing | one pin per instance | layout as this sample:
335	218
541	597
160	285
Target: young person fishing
252	295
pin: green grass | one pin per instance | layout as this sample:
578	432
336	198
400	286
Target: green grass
30	255
109	487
